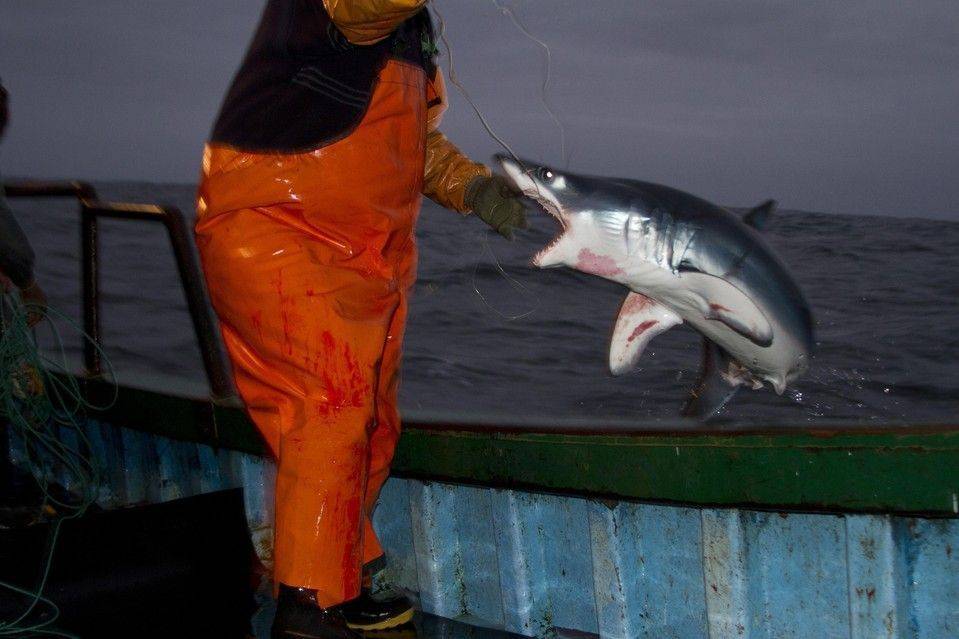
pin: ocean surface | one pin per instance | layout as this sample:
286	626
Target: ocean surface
492	339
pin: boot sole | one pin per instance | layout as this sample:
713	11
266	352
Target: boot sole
392	622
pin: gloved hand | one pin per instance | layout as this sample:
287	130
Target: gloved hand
495	202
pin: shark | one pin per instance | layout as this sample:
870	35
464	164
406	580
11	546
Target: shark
685	261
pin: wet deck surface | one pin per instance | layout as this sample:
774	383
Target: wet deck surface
180	569
429	627
424	627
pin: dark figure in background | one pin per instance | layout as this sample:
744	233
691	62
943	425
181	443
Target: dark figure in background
16	270
16	254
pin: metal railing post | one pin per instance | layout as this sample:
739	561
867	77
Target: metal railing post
90	258
83	192
191	278
203	323
40	188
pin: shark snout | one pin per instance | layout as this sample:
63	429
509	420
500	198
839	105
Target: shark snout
527	178
517	171
503	160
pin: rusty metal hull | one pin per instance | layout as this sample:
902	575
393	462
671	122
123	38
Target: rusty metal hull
527	562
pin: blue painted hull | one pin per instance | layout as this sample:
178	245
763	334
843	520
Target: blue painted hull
525	562
529	562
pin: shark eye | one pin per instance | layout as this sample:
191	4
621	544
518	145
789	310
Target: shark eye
545	175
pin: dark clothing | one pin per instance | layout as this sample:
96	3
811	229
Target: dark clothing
303	85
16	254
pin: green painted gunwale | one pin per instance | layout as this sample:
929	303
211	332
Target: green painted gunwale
897	469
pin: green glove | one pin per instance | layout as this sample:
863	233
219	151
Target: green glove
494	201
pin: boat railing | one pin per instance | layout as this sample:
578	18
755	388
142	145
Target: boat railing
181	242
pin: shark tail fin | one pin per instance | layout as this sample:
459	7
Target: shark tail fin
713	389
758	216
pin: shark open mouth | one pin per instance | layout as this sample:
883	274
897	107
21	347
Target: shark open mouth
553	211
524	178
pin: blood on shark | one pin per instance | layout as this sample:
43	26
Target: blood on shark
685	260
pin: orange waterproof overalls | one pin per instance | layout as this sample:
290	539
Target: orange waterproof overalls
309	258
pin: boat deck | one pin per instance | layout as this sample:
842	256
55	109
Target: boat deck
144	571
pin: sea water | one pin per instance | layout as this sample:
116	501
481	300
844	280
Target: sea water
492	339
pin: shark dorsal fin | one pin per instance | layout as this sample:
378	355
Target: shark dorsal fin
640	320
758	216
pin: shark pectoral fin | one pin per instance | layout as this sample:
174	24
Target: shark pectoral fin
640	320
715	387
758	216
721	301
759	335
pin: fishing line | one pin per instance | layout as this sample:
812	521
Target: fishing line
40	400
454	79
513	282
456	82
547	78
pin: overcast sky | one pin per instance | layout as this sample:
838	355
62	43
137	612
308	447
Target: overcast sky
846	106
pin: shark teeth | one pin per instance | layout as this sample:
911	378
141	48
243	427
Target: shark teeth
546	249
550	208
556	214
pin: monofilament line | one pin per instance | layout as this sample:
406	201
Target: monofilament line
544	92
513	282
451	72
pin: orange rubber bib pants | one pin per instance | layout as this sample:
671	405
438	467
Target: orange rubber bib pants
309	259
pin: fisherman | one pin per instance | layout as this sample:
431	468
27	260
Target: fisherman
16	254
311	186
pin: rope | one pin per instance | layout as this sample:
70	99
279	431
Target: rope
39	399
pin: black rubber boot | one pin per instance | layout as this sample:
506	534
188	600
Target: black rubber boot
367	612
298	616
